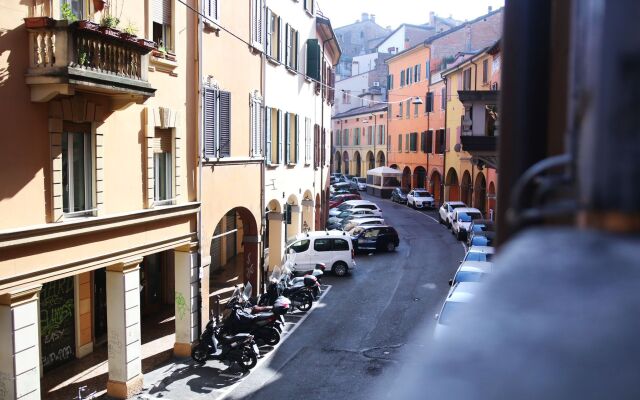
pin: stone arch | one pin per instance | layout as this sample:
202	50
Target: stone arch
435	186
480	193
380	159
337	162
345	162
357	160
466	190
452	192
406	178
419	177
371	162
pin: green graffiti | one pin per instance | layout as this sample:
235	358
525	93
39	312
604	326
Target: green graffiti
181	305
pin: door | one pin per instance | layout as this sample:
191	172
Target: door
151	284
100	306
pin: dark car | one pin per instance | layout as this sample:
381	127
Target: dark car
481	228
399	195
373	238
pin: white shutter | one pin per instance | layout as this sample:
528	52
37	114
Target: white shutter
162	11
280	35
257	27
287	48
269	37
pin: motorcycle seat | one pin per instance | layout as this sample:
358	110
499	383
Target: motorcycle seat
263	316
235	338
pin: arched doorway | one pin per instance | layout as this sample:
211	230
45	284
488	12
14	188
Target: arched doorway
358	163
371	162
466	188
406	178
491	203
234	250
420	177
345	161
480	193
453	186
380	159
337	162
435	186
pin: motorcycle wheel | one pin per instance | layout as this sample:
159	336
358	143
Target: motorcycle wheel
305	300
199	354
249	359
272	338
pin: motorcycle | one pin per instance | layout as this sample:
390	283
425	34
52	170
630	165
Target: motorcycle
317	272
265	326
301	294
216	345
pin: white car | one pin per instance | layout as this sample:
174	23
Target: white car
446	211
479	253
420	198
461	221
347	205
362	221
471	271
359	183
461	294
352	212
333	248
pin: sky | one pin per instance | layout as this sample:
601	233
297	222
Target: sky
393	13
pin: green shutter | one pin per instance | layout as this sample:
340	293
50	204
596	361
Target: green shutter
313	59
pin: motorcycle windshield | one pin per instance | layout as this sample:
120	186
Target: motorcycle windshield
247	291
276	274
236	293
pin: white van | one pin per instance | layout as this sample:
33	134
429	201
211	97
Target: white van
333	248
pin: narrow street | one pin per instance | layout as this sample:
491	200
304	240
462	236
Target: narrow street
367	319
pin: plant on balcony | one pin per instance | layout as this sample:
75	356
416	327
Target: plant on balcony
108	25
129	32
67	13
83	58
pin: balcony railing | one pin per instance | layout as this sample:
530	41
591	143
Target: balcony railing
84	56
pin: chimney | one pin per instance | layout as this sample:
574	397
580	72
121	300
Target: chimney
365	17
432	18
373	18
490	9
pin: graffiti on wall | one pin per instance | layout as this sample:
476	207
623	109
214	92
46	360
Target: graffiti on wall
57	323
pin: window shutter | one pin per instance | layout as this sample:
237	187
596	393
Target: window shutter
287	140
297	137
258	18
267	134
294	48
423	142
209	111
215	10
225	124
268	36
162	11
280	132
429	145
280	29
458	131
313	59
287	37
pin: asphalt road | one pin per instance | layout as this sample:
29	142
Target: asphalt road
366	326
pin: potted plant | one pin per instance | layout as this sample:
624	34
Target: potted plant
129	33
108	25
98	5
86	25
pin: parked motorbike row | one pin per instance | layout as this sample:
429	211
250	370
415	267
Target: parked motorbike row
256	321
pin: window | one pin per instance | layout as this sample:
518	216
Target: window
416	73
318	148
76	6
413	143
345	137
338	137
429	102
300	246
416	110
427	71
308	6
291	53
340	245
210	9
162	23
307	141
389	82
406	143
485	71
402	78
401	107
256	125
440	141
381	134
429	141
423	142
217	123
162	167
322	245
77	172
291	138
408	108
273	134
370	135
274	39
400	143
356	137
466	79
257	23
443	100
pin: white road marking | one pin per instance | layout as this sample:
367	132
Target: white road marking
231	388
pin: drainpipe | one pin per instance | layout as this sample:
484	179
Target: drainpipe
200	124
264	221
444	158
323	199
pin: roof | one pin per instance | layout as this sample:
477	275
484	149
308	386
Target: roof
470	56
332	233
332	40
482	249
361	111
476	266
384	171
463	292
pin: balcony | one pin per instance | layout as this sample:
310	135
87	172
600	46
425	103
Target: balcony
83	56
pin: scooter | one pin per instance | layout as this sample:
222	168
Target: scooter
301	295
215	345
317	272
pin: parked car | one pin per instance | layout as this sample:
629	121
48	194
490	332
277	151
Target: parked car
460	295
461	221
484	230
362	222
335	201
479	253
355	203
446	211
333	248
350	213
340	186
471	271
420	198
355	217
399	195
359	183
374	238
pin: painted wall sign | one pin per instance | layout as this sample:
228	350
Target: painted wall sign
57	323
